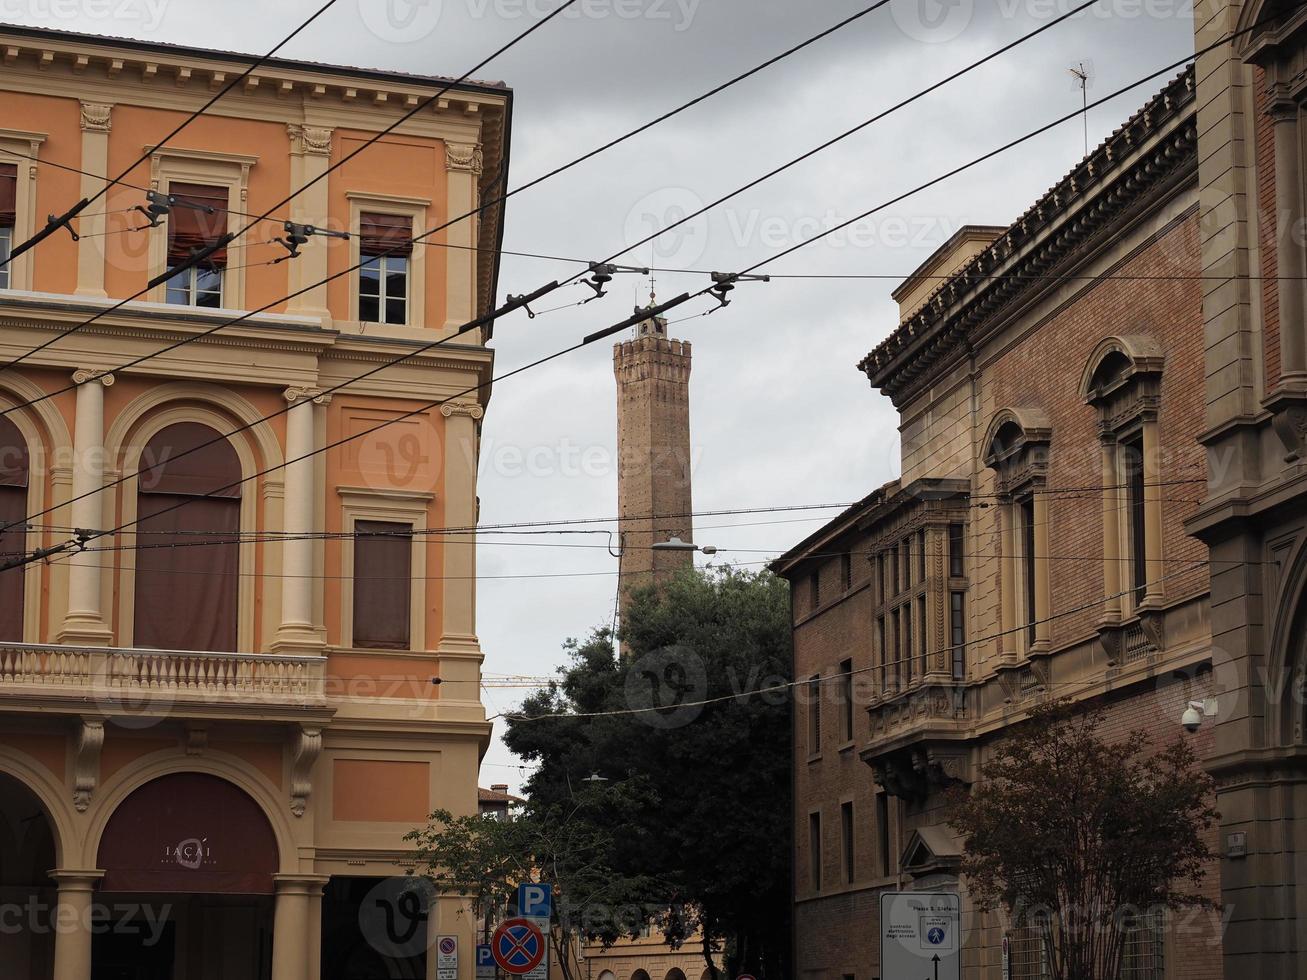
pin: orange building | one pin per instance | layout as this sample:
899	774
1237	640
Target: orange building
217	723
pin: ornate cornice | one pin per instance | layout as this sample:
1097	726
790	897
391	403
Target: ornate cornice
96	118
1151	150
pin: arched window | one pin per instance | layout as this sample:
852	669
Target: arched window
186	596
13	541
1016	449
1122	382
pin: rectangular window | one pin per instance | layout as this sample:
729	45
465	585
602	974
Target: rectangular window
1132	460
922	634
909	652
1027	515
197	221
957	551
921	556
814	715
882	833
846	827
896	651
8	216
1142	948
846	570
814	850
884	654
882	568
958	634
846	699
814	589
899	563
385	250
383	561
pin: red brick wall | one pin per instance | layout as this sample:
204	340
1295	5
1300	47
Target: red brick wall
1043	371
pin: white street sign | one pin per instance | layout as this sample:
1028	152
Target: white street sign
920	936
447	958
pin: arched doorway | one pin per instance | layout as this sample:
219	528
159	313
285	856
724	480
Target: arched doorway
27	852
188	863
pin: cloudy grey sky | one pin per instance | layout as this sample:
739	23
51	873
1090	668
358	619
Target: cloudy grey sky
780	414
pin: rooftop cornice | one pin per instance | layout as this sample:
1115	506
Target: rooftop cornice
187	65
1141	156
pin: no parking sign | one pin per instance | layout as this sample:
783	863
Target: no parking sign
518	946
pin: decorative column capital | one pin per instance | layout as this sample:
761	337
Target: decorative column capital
96	117
310	140
468	409
83	375
465	157
315	395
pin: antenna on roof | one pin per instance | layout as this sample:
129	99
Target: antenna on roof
1081	72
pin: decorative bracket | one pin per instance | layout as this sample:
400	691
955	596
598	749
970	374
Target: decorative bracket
86	765
307	750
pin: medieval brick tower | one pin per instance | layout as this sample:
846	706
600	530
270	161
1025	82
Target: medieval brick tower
653	445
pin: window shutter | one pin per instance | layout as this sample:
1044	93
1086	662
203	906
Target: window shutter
383	562
388	233
13	511
8	194
190	228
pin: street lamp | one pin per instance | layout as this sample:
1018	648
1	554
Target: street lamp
676	544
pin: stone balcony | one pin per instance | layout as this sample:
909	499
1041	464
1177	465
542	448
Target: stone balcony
109	682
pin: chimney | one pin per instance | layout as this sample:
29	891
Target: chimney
499	788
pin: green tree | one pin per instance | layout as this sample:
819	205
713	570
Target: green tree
485	859
714	844
1081	837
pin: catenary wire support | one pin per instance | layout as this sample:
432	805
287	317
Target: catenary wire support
297	235
601	274
724	283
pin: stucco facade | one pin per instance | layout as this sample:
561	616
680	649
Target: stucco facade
342	743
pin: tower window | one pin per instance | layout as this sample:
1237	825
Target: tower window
1132	459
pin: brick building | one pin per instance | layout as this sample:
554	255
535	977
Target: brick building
1254	519
1049	381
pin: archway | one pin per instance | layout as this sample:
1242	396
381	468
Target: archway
27	852
188	861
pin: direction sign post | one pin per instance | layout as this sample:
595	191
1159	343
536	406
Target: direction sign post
920	936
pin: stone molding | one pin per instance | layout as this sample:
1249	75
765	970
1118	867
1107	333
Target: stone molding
96	117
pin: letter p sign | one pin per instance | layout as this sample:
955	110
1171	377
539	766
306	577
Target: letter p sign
534	901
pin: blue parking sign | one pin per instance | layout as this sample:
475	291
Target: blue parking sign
534	901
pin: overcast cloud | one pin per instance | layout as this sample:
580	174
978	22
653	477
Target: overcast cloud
780	414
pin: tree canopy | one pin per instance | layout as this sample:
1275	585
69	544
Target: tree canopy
710	846
1083	838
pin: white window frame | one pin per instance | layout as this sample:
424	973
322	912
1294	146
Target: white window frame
191	285
169	165
414	208
27	144
383	297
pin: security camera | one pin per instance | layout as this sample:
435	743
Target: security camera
1193	716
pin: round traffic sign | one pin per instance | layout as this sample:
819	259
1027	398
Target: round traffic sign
518	946
448	945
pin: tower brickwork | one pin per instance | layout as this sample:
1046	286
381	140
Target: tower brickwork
654	455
